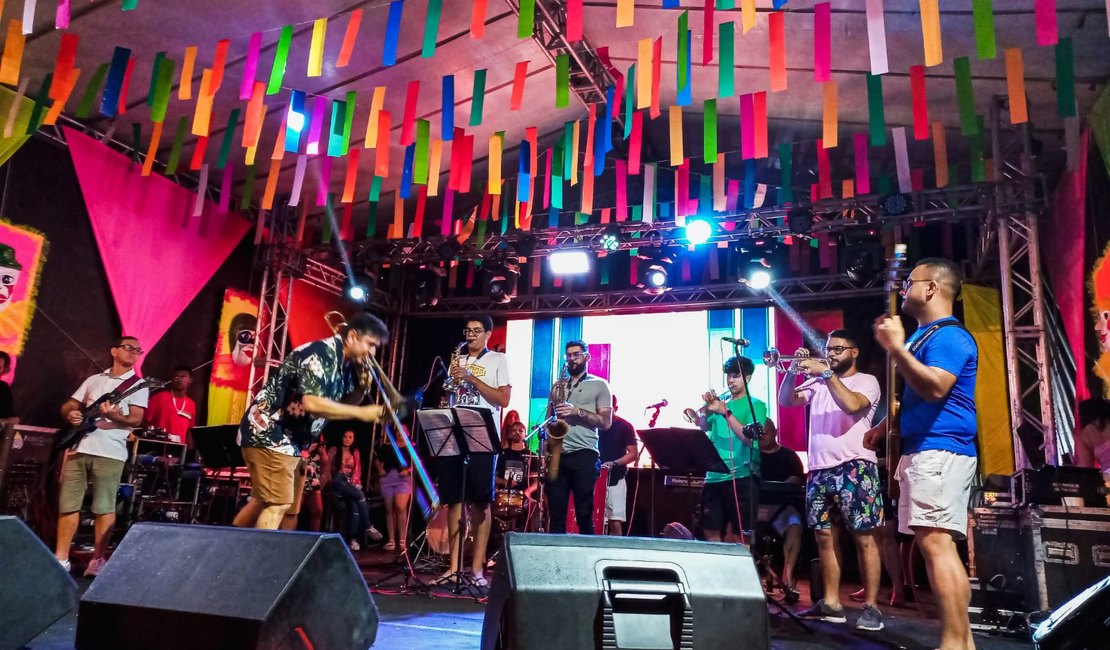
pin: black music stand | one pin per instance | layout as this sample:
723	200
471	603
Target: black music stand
687	452
217	449
461	431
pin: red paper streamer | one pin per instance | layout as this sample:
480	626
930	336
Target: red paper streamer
606	215
198	153
457	147
822	42
732	197
547	181
824	174
352	176
517	98
381	152
67	56
921	129
776	30
218	66
747	127
408	125
574	20
349	39
421	202
656	75
126	84
468	165
917	179
588	154
634	140
759	106
707	35
478	20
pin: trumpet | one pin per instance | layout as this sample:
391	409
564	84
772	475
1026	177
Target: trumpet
772	359
692	416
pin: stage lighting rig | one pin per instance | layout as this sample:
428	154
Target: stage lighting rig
429	286
698	230
863	254
611	238
895	204
654	272
755	263
525	246
359	289
501	279
800	221
449	249
569	262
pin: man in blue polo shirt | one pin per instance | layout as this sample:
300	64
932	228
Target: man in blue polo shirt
937	423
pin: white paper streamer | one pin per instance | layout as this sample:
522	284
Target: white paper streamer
876	36
28	16
905	181
649	194
17	101
298	180
202	187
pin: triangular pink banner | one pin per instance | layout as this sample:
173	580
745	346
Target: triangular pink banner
157	256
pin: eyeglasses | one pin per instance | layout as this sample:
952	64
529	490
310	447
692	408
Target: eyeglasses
477	331
574	356
839	349
908	282
130	348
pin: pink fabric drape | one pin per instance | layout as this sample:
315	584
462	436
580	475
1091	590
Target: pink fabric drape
156	255
792	421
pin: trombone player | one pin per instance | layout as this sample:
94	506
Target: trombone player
318	381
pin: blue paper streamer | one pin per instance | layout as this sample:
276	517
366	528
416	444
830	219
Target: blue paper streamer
392	31
749	183
447	129
293	136
406	172
684	96
109	105
524	179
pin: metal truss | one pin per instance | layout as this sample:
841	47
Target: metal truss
629	301
275	300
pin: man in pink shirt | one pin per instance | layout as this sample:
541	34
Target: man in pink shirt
843	474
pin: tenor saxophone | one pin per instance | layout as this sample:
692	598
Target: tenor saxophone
557	429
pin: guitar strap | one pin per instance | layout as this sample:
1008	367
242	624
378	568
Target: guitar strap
920	341
122	388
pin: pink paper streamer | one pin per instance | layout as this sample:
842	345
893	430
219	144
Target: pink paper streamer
325	181
876	37
863	167
747	127
225	188
298	180
902	159
250	67
649	194
822	42
622	190
448	210
732	197
1045	11
61	17
202	187
547	181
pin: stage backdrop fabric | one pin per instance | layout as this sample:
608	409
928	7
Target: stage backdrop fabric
157	257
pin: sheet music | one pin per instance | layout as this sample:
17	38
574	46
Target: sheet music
438	425
475	422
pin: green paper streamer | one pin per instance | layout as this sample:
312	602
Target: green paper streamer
726	74
562	81
725	5
281	57
978	160
420	163
876	115
92	91
478	97
637	213
983	13
786	174
162	94
371	219
376	189
605	263
557	191
525	21
229	137
325	235
335	129
568	137
884	183
40	104
154	78
431	28
964	96
709	132
349	121
1065	78
178	142
129	5
629	99
248	189
581	218
683	36
481	236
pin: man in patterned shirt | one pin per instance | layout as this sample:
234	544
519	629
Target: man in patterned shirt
316	382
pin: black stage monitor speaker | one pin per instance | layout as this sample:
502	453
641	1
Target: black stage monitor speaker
35	590
177	587
1082	623
588	592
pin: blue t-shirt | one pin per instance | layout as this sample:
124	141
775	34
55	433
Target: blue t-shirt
947	425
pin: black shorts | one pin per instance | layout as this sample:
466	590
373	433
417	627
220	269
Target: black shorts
479	479
720	501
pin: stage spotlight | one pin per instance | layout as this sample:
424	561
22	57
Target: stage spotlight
895	204
449	249
755	263
429	286
501	281
759	278
800	221
525	246
653	274
698	230
573	262
611	238
863	255
360	287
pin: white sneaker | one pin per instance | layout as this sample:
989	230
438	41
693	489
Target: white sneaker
374	534
95	565
65	564
355	546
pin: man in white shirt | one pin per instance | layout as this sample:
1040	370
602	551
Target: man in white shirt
102	453
843	474
484	377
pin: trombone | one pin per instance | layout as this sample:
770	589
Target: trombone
772	359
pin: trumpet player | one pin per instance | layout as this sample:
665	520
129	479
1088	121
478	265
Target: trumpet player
586	406
482	378
843	474
314	383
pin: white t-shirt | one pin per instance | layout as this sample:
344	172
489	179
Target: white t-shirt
836	437
493	370
110	443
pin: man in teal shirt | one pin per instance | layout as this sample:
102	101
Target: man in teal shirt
727	499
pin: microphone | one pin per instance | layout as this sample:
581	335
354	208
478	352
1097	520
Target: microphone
737	341
657	405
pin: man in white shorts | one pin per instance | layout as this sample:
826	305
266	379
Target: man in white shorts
617	448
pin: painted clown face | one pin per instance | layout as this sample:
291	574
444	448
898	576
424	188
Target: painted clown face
9	277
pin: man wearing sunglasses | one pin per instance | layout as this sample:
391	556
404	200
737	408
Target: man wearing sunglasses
843	474
101	454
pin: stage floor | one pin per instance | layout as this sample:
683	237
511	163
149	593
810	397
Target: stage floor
453	622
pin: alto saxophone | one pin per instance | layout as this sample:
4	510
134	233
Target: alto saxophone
557	429
452	387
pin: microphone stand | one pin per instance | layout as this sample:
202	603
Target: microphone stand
541	509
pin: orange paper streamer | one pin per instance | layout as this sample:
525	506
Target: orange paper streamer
625	13
152	150
185	85
252	126
478	19
433	167
940	153
13	53
279	146
63	96
747	18
930	32
830	130
352	176
495	164
371	139
776	30
643	73
397	230
271	183
349	39
574	153
203	112
847	188
1015	84
218	66
676	136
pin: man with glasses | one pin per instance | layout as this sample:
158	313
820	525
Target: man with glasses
587	408
843	474
101	454
484	375
937	427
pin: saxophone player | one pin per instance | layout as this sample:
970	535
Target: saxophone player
482	379
586	405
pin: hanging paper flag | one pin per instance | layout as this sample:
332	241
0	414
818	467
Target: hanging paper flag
920	102
63	97
67	56
478	19
656	75
219	61
625	16
676	135
930	32
405	190
574	20
61	16
830	118
562	81
747	126
902	160
408	125
316	49
423	142
683	81
392	31
523	177
495	164
776	32
293	135
876	37
1015	86
334	146
376	102
84	108
1047	33
824	171
348	120
572	160
1065	79
225	189
250	67
822	42
725	68
431	28
588	158
109	105
940	153
162	91
478	97
983	13
200	148
708	29
964	96
40	104
185	84
587	200
876	114
863	170
526	18
229	138
720	200
649	193
178	143
122	108
709	131
350	37
281	58
978	161
749	184
759	111
606	140
634	143
468	163
397	229
447	107
433	166
15	110
202	189
319	109
644	65
13	53
152	149
252	127
445	219
381	153
29	16
517	97
748	15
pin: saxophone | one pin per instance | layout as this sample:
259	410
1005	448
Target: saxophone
557	429
453	388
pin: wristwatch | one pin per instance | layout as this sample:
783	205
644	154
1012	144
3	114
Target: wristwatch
827	374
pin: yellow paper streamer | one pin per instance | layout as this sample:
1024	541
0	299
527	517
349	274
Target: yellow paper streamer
13	53
1015	84
643	74
830	131
433	167
495	164
60	103
676	136
930	32
252	153
152	150
940	153
376	103
316	50
747	18
185	86
625	9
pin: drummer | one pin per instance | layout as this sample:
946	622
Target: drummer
513	465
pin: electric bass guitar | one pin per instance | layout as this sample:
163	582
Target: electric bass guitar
68	437
895	271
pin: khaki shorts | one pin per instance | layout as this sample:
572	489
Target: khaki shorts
616	502
105	472
273	475
936	490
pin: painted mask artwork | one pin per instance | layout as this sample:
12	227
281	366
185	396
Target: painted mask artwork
1099	286
22	254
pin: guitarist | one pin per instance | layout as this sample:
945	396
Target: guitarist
100	454
937	422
